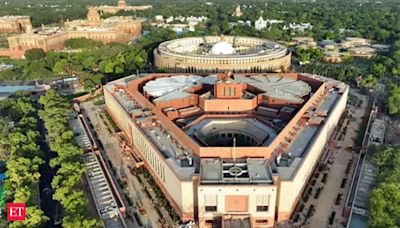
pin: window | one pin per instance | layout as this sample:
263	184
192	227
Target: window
262	202
210	202
262	221
262	208
211	208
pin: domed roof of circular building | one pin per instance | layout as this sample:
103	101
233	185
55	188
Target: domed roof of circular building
222	48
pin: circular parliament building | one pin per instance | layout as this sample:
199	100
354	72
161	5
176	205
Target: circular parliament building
221	54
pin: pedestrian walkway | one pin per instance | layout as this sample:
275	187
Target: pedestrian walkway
326	203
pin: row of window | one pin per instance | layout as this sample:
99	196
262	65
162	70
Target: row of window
148	152
212	223
228	91
258	208
244	60
211	203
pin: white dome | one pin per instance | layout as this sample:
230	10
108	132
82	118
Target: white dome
222	48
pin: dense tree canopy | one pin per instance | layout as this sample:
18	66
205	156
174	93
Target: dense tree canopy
394	99
35	54
19	148
385	198
308	54
66	184
83	43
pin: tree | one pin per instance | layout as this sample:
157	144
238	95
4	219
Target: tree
23	171
34	218
72	200
37	70
368	82
308	54
56	114
66	68
23	157
80	221
35	54
378	69
385	198
385	206
394	99
83	43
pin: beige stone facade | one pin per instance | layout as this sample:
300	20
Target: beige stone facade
51	40
194	55
113	29
121	6
11	24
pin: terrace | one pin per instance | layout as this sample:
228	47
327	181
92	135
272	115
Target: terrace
240	171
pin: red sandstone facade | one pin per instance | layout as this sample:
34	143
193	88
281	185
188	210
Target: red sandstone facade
114	29
14	24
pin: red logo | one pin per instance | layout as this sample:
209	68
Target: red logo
16	211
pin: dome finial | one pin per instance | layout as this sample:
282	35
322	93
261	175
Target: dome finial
222	37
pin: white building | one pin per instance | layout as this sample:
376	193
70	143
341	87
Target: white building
159	18
260	23
301	27
244	23
192	26
180	18
169	20
274	21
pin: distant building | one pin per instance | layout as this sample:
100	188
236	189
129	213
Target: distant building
363	52
4	66
113	29
238	12
221	54
121	6
260	23
329	45
381	47
274	21
180	18
350	42
333	57
169	20
304	41
11	24
301	27
244	23
159	18
187	23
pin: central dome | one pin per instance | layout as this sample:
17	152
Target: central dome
222	48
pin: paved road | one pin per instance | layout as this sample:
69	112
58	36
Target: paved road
326	201
50	207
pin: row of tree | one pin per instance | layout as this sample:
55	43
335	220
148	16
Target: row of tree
385	198
94	64
19	139
70	169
